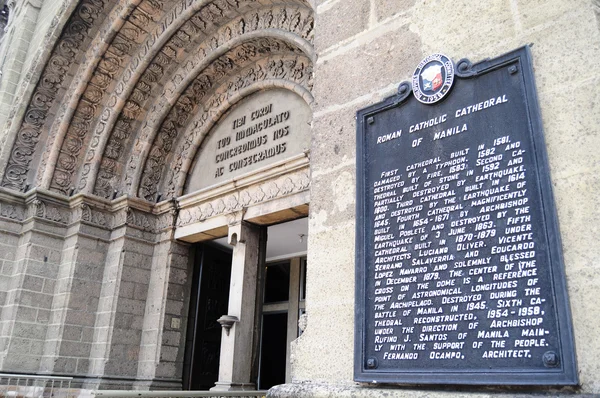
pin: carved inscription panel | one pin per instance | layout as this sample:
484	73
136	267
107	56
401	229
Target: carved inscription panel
265	128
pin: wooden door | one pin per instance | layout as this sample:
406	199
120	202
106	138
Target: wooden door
209	300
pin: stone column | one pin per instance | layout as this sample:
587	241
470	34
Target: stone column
29	281
165	319
237	342
114	355
77	291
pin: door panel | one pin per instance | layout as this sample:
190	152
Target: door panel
210	296
273	350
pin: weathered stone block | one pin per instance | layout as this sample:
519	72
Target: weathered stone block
178	276
44	253
45	270
49	286
82	318
171	338
34	299
72	333
369	72
334	199
334	142
339	21
174	307
75	349
318	337
30	331
130	306
33	283
126	289
491	23
168	354
127	336
26	314
67	365
532	13
137	275
140	292
385	9
43	316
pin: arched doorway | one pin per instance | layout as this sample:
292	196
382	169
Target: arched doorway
112	121
251	172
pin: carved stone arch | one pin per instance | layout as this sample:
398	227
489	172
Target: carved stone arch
62	138
106	180
154	170
146	71
32	119
105	163
192	142
126	50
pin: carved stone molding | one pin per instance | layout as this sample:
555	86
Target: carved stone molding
42	208
293	70
240	199
141	76
12	211
294	22
91	215
52	80
110	62
107	215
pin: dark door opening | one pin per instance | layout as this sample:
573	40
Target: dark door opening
273	350
208	301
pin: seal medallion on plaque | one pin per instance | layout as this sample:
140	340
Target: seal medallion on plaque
433	78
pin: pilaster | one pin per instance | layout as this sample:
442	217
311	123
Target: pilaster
30	279
237	339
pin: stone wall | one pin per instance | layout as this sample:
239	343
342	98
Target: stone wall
90	289
365	49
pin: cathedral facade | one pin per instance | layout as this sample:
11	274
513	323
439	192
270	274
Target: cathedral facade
178	181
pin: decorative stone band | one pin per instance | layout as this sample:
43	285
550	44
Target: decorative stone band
214	207
238	199
47	206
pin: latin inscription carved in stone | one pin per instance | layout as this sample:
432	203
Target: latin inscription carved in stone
265	128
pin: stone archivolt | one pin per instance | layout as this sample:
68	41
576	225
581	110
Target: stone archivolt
52	81
193	81
161	149
132	89
293	73
144	69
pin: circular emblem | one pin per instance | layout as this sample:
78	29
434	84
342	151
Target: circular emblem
433	78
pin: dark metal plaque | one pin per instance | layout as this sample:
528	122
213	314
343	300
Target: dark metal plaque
459	268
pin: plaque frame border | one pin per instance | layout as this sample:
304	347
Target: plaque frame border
566	373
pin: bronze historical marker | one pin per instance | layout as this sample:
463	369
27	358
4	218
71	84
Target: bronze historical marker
459	266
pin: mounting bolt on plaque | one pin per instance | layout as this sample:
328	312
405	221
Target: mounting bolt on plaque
513	69
371	120
550	359
371	363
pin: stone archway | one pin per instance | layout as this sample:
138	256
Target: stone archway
98	150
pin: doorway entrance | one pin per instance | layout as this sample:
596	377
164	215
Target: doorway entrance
208	301
283	302
280	301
